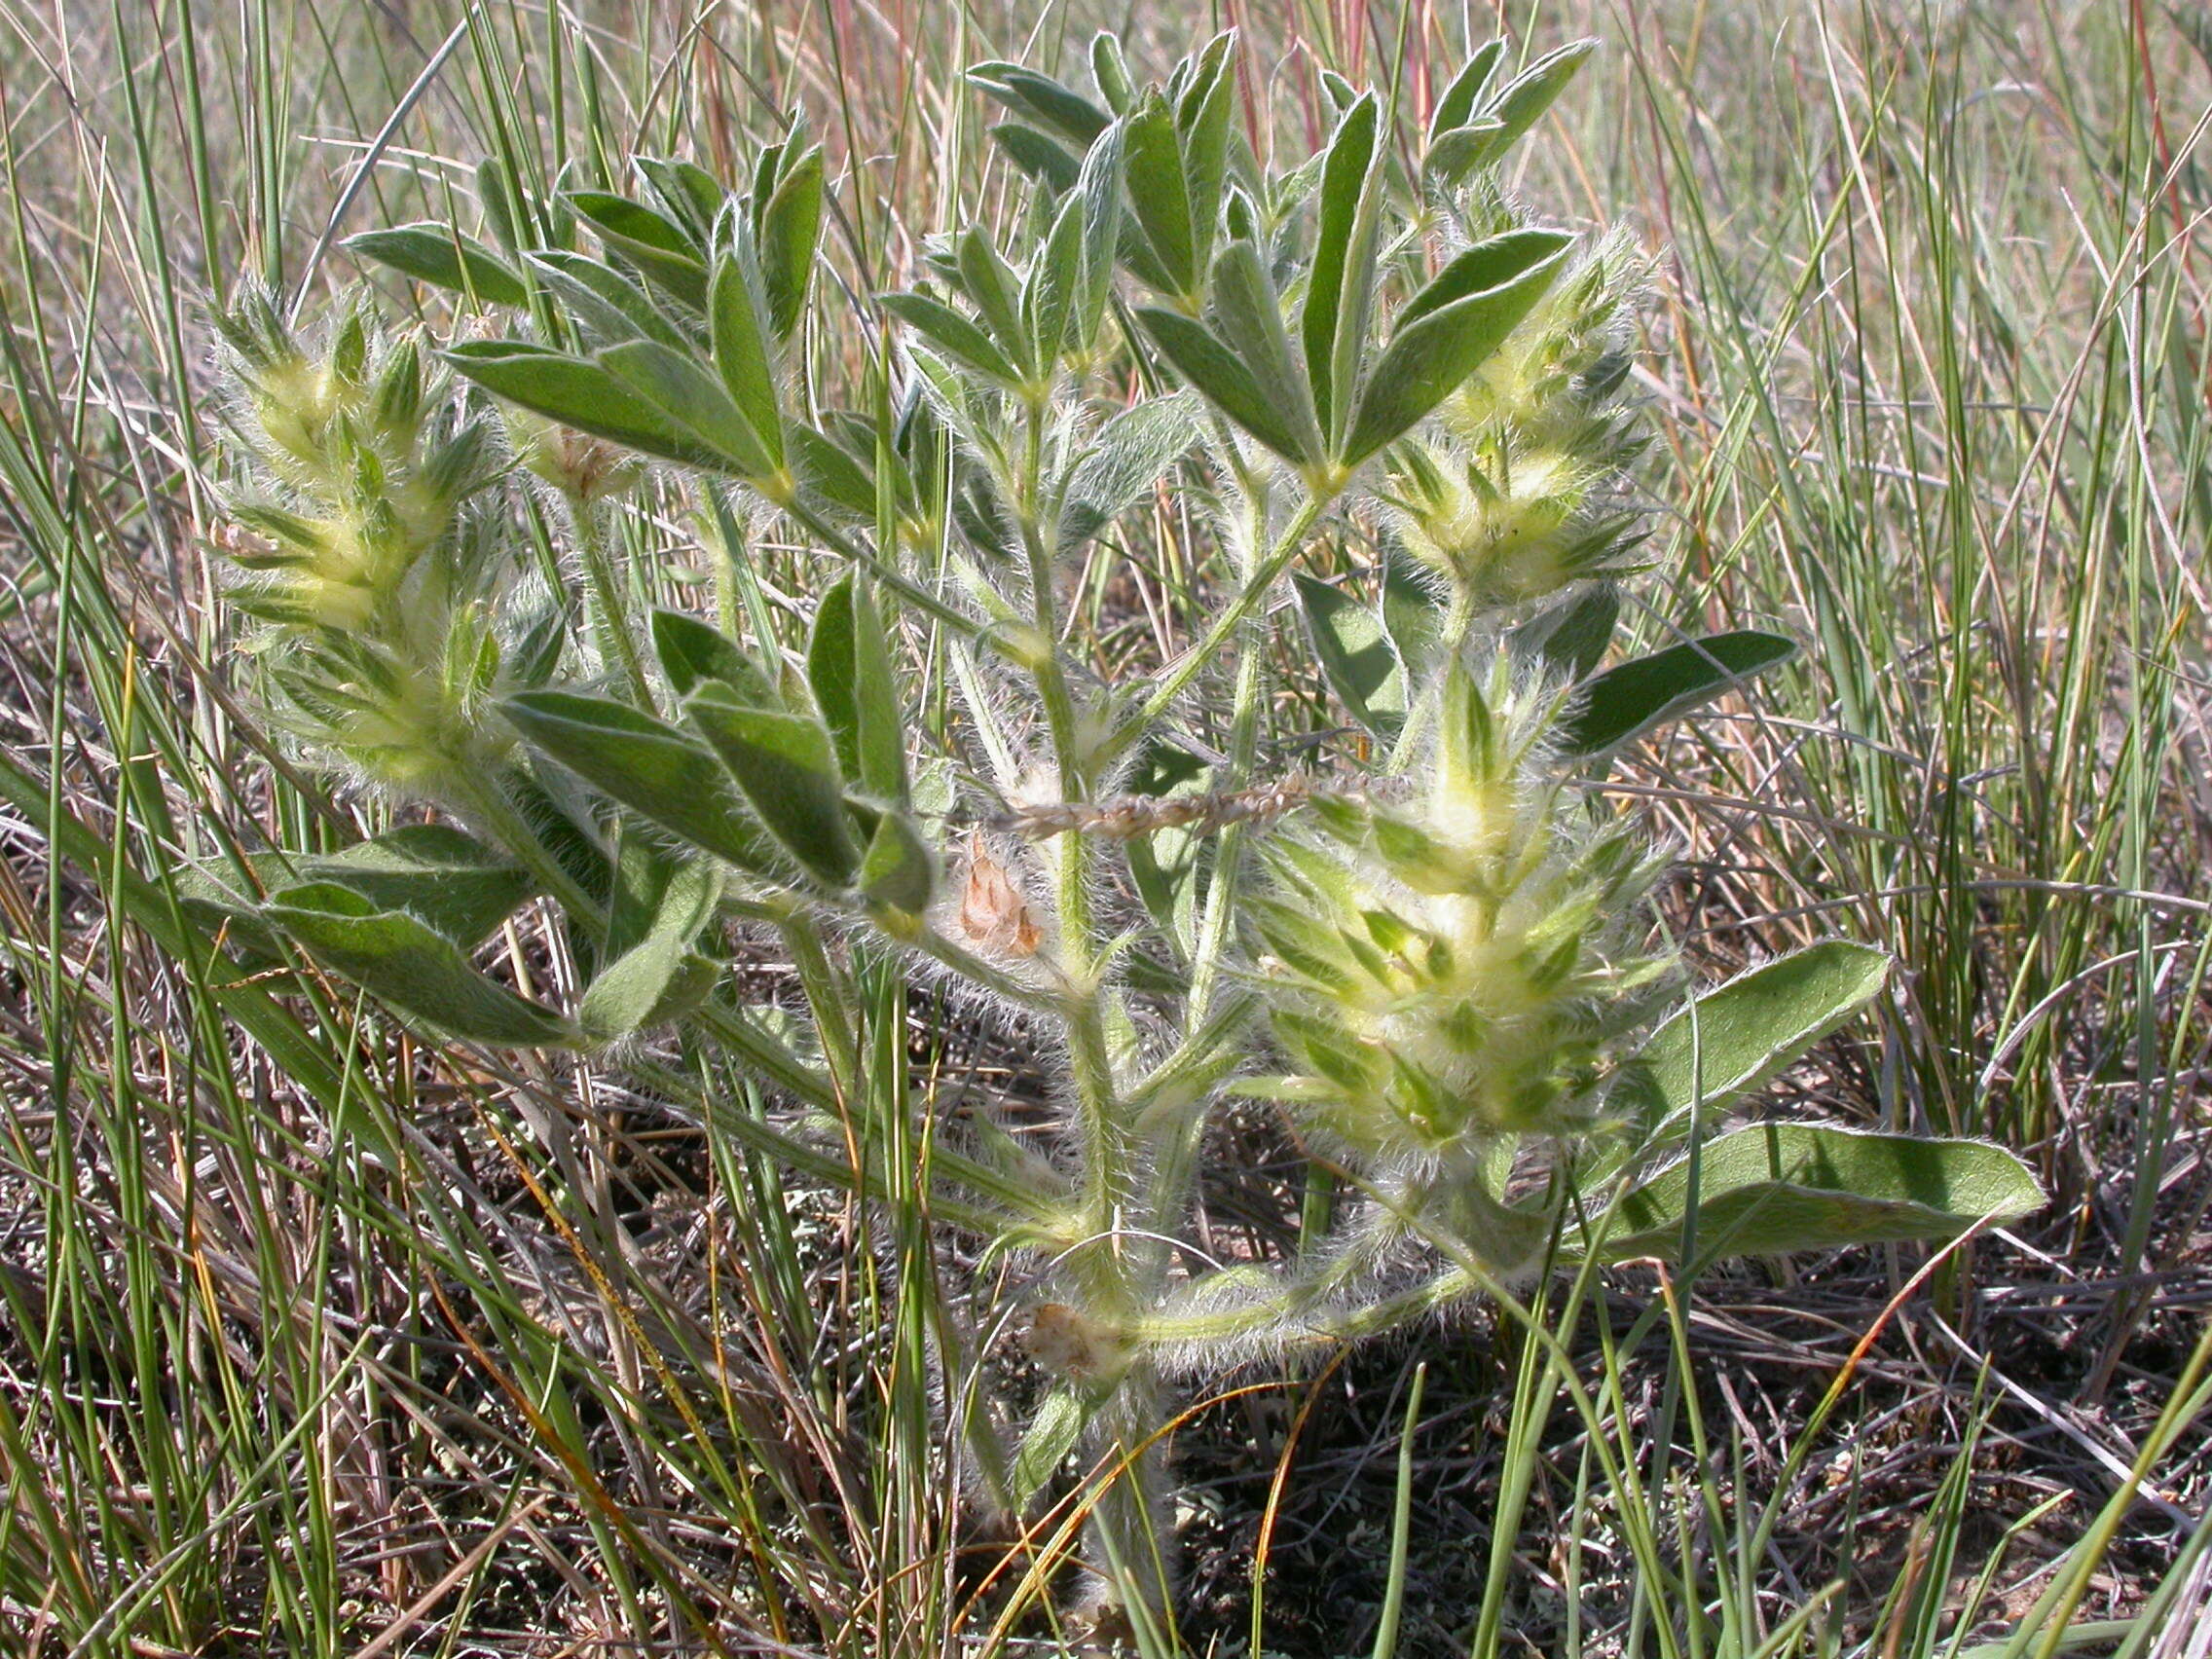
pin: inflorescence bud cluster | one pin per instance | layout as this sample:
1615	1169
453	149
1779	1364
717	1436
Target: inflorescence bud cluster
362	548
1454	969
1515	494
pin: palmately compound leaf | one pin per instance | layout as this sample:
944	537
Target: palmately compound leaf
1625	702
1776	1188
404	962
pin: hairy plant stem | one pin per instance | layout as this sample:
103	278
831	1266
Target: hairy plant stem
1176	679
1229	857
1130	1275
794	507
484	796
1458	624
616	640
1117	1276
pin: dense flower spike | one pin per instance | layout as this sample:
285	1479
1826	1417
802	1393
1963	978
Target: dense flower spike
1460	967
357	529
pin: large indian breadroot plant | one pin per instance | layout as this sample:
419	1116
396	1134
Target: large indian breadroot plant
1434	955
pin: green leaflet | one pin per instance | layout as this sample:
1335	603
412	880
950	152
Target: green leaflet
445	258
694	401
1731	1040
789	234
580	394
1123	464
1051	1435
1465	95
1625	702
692	196
461	887
1222	377
606	303
1163	867
1160	196
656	246
404	962
828	472
898	868
1429	357
954	335
786	769
658	976
1048	307
1249	317
987	280
692	648
1477	121
848	664
1038	156
1201	126
738	334
1570	636
448	880
1523	99
1775	1187
1341	288
1356	655
1099	189
1070	115
647	766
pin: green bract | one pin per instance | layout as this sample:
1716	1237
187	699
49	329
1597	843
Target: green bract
1434	954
